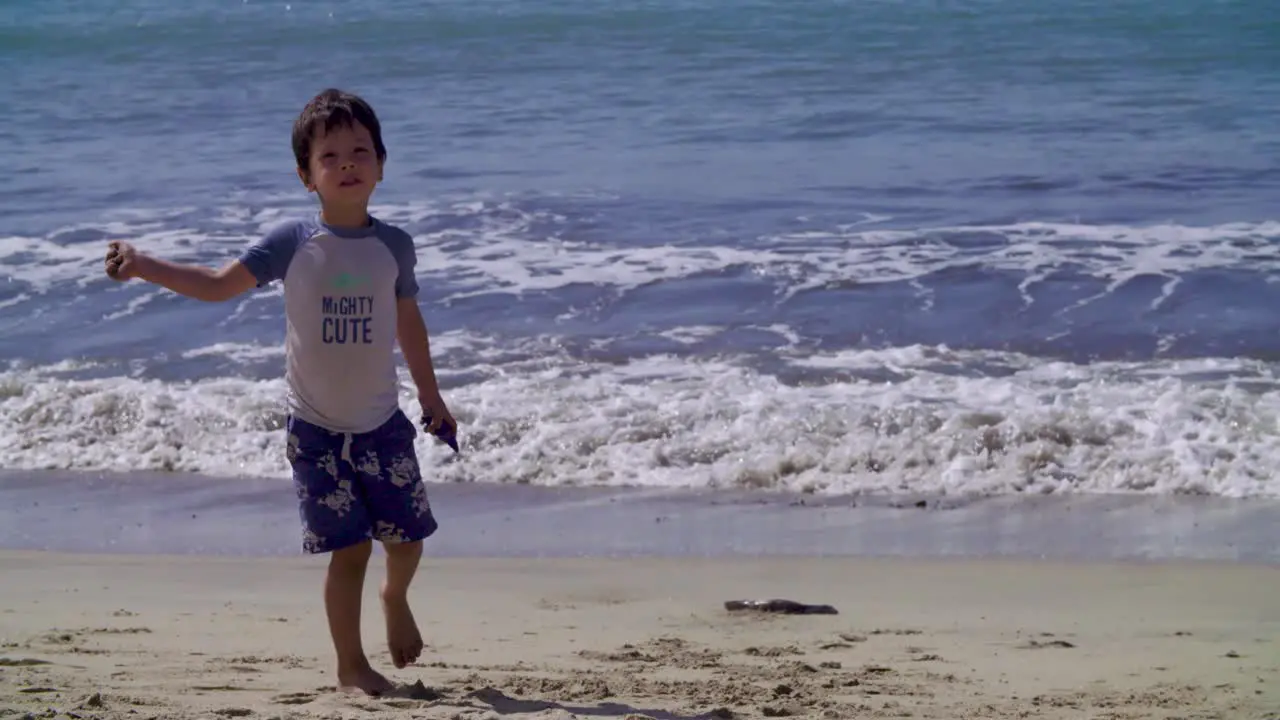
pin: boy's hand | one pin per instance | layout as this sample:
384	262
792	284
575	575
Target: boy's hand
121	261
433	407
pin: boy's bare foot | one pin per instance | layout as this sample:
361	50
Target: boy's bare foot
403	639
363	679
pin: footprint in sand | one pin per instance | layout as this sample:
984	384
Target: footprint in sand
22	662
901	632
297	698
404	696
773	652
1041	645
117	631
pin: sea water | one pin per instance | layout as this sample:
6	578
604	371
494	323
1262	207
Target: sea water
865	246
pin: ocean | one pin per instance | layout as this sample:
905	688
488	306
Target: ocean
862	247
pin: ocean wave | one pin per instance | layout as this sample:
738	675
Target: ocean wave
474	247
908	420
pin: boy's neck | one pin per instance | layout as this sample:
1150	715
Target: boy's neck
352	218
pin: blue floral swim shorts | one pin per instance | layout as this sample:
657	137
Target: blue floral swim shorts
358	486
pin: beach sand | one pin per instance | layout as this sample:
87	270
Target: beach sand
118	636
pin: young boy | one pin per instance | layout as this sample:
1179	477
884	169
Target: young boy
349	296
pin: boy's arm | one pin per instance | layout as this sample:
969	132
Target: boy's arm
195	281
411	332
261	263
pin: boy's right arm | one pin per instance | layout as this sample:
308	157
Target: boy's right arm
264	261
194	281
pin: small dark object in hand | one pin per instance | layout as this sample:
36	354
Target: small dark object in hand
447	433
776	605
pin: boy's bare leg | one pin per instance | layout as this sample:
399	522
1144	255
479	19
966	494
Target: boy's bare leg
343	588
403	639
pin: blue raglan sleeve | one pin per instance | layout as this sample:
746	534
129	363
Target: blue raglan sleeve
400	243
269	258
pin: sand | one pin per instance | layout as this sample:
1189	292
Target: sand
117	636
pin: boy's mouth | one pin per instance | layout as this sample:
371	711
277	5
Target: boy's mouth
350	182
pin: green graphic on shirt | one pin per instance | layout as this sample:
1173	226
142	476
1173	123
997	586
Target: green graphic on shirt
348	281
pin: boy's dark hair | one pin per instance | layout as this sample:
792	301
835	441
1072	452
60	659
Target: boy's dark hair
331	109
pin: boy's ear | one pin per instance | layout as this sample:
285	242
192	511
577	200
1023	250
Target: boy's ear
381	164
305	177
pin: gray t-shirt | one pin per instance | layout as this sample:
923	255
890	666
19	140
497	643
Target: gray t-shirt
340	292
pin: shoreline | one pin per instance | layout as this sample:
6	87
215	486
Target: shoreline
152	513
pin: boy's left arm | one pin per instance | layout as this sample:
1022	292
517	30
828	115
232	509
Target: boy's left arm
411	332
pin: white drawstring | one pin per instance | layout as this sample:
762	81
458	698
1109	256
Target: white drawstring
346	448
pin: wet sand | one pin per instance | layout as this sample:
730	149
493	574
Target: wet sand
184	597
192	514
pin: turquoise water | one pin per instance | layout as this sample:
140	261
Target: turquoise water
984	246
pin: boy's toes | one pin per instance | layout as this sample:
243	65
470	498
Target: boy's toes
413	652
363	679
405	651
404	641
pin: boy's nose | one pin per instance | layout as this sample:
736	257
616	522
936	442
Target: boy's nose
348	165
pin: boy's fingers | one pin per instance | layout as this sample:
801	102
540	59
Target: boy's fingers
115	266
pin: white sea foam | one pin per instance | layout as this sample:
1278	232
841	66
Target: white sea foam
476	247
910	419
904	420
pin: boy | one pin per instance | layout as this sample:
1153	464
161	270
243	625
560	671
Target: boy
349	296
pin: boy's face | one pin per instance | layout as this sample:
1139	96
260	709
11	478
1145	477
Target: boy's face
344	167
